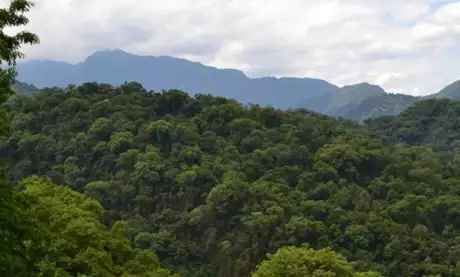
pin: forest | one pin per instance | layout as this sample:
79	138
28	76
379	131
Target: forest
432	122
119	181
212	186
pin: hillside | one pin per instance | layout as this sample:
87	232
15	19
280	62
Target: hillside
379	105
452	91
360	101
24	89
366	101
349	96
213	186
163	73
433	122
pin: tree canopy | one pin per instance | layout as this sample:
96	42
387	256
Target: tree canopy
303	261
118	181
77	243
212	186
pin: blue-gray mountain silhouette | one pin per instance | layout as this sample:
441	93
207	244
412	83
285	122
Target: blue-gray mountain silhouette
116	67
161	73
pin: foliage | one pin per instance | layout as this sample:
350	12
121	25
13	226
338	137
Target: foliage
77	243
432	122
19	240
303	261
212	186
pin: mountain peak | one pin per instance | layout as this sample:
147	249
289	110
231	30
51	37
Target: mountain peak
451	91
111	51
363	85
362	89
108	54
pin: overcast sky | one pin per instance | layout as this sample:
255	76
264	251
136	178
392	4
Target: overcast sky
408	46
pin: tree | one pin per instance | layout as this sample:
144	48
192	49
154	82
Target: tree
17	234
12	16
78	244
303	261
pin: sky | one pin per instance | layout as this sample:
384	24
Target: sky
405	46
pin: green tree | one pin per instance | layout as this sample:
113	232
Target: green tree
17	232
305	262
78	244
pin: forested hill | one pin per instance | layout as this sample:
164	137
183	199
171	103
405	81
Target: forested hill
360	101
213	186
24	89
451	91
433	122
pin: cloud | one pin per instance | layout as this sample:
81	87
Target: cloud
404	45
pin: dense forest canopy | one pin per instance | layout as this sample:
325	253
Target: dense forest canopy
432	122
213	186
118	181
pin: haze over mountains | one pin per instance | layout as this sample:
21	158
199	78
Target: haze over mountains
357	102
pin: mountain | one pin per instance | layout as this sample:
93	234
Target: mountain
162	73
360	101
452	91
365	101
357	102
432	122
24	89
337	102
380	105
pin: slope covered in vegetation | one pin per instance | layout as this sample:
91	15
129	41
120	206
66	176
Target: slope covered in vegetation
213	186
380	105
24	88
452	91
433	122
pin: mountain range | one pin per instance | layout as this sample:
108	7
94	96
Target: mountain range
115	67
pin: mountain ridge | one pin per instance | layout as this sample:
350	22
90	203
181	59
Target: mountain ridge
164	72
358	101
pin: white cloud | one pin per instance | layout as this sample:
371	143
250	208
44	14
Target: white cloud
403	45
449	13
428	31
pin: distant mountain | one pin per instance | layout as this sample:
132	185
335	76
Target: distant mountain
452	91
432	122
348	96
24	89
380	105
161	73
358	102
361	101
